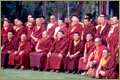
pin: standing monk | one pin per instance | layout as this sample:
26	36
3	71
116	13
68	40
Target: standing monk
7	48
52	25
20	58
38	58
107	67
57	52
74	53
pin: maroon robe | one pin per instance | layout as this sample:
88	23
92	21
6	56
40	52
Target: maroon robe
110	69
22	59
82	64
8	46
113	41
78	29
4	34
29	31
52	30
103	35
58	47
38	59
37	34
72	64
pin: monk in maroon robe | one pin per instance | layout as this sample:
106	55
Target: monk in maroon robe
20	58
88	45
88	28
19	30
107	67
113	36
74	27
37	32
60	27
52	25
28	20
102	31
75	51
38	58
95	54
7	48
4	31
57	53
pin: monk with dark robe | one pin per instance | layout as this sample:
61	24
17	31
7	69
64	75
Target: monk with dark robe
113	36
52	25
95	54
20	58
19	30
7	48
74	27
43	21
4	31
37	32
60	27
57	53
88	29
107	67
83	60
75	51
28	19
38	58
102	31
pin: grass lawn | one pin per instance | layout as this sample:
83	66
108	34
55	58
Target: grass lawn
28	74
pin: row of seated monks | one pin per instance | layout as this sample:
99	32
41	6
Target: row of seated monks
63	45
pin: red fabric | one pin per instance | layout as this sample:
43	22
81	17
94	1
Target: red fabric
59	46
29	31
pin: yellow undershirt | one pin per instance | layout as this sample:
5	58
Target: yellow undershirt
104	61
76	42
96	54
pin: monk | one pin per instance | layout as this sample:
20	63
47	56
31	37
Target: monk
19	30
4	31
57	53
107	67
60	27
95	54
37	32
103	30
83	60
7	48
113	36
75	27
74	53
38	58
98	23
52	25
43	21
88	28
28	19
20	57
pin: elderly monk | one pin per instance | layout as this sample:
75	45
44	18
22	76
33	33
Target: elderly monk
88	45
38	58
57	52
20	58
75	27
52	25
19	30
60	27
95	54
74	53
107	67
102	31
4	31
37	32
7	48
113	36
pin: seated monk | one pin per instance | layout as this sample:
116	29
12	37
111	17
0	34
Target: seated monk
20	58
88	45
57	53
7	48
95	54
107	67
75	51
38	58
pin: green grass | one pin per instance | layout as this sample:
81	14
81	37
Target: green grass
28	74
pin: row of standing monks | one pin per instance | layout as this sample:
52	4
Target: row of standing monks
71	46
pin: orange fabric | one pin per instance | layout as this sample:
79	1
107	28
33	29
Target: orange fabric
97	53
